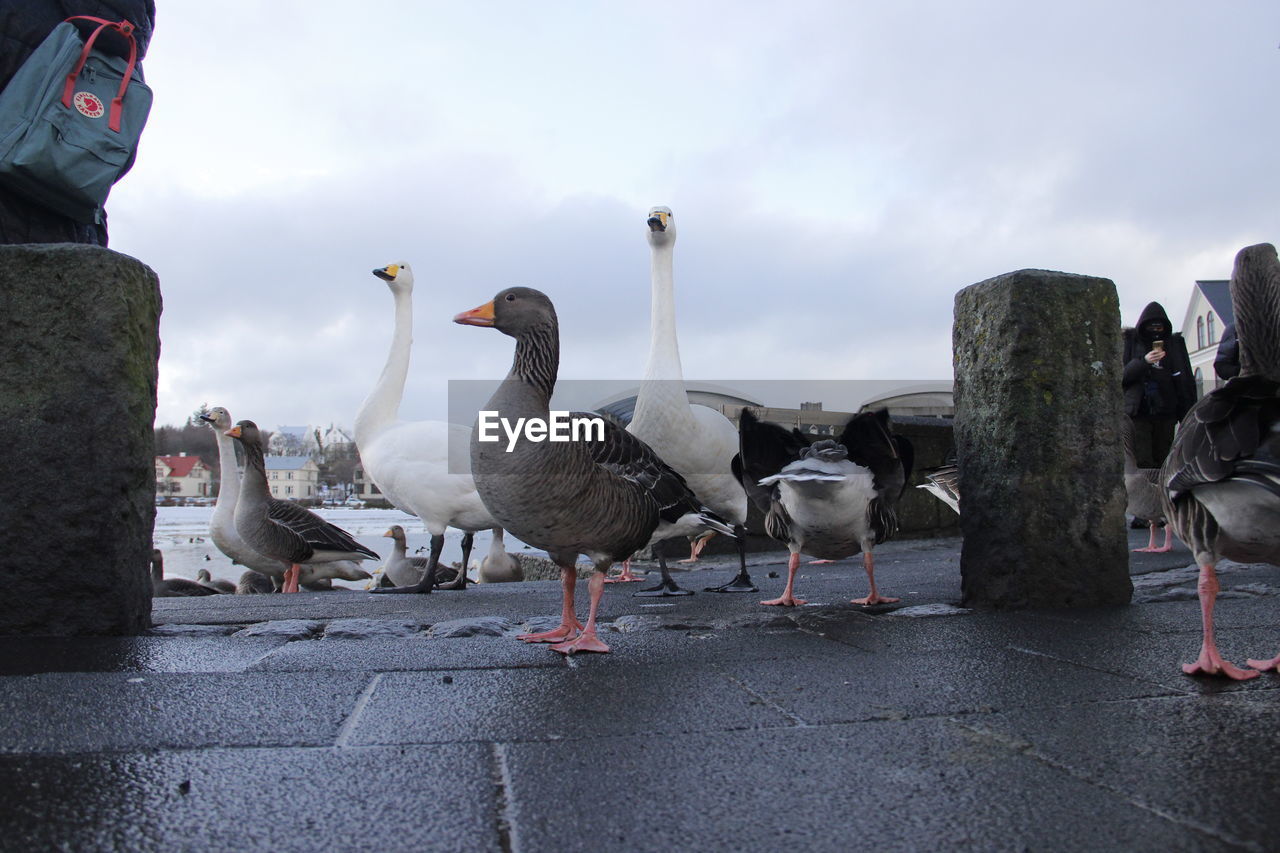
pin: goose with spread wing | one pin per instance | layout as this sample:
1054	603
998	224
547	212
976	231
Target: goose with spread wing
1222	474
297	538
421	467
604	493
828	499
943	483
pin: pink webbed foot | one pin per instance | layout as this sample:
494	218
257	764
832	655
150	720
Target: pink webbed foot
875	598
785	600
1212	663
625	577
820	562
1265	665
587	641
555	635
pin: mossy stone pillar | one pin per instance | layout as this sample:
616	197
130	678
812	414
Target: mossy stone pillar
1038	408
79	337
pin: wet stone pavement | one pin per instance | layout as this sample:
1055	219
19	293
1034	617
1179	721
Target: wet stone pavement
346	721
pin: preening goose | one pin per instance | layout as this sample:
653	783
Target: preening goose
603	495
830	499
222	525
1222	475
296	538
1142	491
205	578
254	583
420	466
696	441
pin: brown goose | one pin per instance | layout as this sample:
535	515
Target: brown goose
222	526
1222	475
402	570
498	566
604	495
297	537
830	499
162	587
1142	488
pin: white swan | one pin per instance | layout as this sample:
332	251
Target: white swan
697	441
222	525
422	467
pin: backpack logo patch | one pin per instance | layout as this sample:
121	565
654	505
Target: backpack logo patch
89	105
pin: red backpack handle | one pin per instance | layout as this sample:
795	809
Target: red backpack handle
125	29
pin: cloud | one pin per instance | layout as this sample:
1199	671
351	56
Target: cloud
838	171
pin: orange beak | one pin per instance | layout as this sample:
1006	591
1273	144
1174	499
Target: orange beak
234	432
482	316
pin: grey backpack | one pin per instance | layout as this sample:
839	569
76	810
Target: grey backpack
70	119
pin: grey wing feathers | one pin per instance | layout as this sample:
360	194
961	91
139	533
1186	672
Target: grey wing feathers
1221	433
630	458
318	533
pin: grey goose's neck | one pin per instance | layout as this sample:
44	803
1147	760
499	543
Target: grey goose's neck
537	360
254	491
1255	296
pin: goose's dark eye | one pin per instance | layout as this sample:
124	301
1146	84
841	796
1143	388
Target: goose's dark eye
511	297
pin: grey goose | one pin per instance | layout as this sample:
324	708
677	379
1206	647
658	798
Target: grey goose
1222	474
604	497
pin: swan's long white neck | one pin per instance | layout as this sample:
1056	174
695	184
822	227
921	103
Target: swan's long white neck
381	408
664	348
228	473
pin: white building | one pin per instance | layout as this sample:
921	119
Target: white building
293	478
1208	311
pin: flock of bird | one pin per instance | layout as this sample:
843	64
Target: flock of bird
683	470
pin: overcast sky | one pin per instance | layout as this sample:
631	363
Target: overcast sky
838	171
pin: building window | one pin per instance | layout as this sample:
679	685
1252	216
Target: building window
275	475
288	475
1199	333
288	490
1213	334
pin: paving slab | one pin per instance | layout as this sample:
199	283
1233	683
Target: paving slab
556	704
435	798
29	655
416	653
91	711
1212	762
864	686
914	785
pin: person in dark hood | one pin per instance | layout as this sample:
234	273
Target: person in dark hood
23	26
1159	386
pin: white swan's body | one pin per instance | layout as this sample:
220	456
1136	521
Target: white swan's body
696	441
222	525
422	467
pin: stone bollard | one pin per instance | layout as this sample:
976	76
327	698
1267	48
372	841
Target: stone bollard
1038	408
79	330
